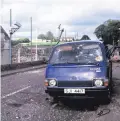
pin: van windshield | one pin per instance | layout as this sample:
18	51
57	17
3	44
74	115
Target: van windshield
77	53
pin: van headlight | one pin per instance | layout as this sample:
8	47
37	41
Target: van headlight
52	82
98	82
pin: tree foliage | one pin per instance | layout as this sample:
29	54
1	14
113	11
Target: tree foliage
108	31
23	40
48	36
85	37
41	36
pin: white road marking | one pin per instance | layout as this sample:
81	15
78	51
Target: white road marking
15	92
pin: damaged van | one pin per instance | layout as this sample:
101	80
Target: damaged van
79	69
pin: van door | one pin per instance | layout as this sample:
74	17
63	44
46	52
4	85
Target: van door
111	51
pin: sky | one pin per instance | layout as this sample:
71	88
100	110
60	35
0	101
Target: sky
81	16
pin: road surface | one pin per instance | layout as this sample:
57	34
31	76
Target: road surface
23	99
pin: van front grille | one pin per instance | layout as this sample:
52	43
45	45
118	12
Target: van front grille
75	83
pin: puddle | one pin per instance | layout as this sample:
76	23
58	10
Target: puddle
14	103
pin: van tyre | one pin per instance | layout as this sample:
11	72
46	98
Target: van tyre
108	99
110	78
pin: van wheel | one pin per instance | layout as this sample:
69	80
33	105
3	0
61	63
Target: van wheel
108	99
110	71
110	79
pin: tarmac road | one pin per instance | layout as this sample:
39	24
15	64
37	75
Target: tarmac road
23	99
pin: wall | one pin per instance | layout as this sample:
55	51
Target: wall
5	57
5	50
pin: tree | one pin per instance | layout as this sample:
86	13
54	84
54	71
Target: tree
85	37
49	35
25	40
108	31
41	36
21	40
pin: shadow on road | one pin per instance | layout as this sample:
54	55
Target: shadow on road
114	78
82	104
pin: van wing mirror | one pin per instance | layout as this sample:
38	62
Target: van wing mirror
111	51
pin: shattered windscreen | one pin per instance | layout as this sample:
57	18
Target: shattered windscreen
77	53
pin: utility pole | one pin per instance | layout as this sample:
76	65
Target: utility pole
77	35
31	36
65	35
11	32
10	48
36	45
10	17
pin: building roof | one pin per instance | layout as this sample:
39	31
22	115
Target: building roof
3	31
67	37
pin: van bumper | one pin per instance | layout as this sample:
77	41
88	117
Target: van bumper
89	93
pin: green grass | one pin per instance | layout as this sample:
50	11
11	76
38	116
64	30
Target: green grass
41	43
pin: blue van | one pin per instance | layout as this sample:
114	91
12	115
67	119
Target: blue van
79	69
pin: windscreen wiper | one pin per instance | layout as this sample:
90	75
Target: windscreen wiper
92	63
66	63
56	63
75	63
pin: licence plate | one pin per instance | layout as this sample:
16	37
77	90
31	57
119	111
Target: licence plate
74	91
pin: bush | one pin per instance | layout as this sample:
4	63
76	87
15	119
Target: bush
25	40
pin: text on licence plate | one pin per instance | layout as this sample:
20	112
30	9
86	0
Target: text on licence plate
80	91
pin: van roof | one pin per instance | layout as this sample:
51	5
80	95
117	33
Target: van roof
88	41
82	41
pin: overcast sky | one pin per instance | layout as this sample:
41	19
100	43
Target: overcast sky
81	16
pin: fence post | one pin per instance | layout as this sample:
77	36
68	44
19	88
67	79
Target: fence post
19	55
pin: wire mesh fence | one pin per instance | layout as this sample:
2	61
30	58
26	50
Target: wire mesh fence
26	54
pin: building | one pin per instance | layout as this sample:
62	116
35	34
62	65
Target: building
5	53
66	39
41	40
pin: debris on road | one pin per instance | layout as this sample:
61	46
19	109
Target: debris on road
103	112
